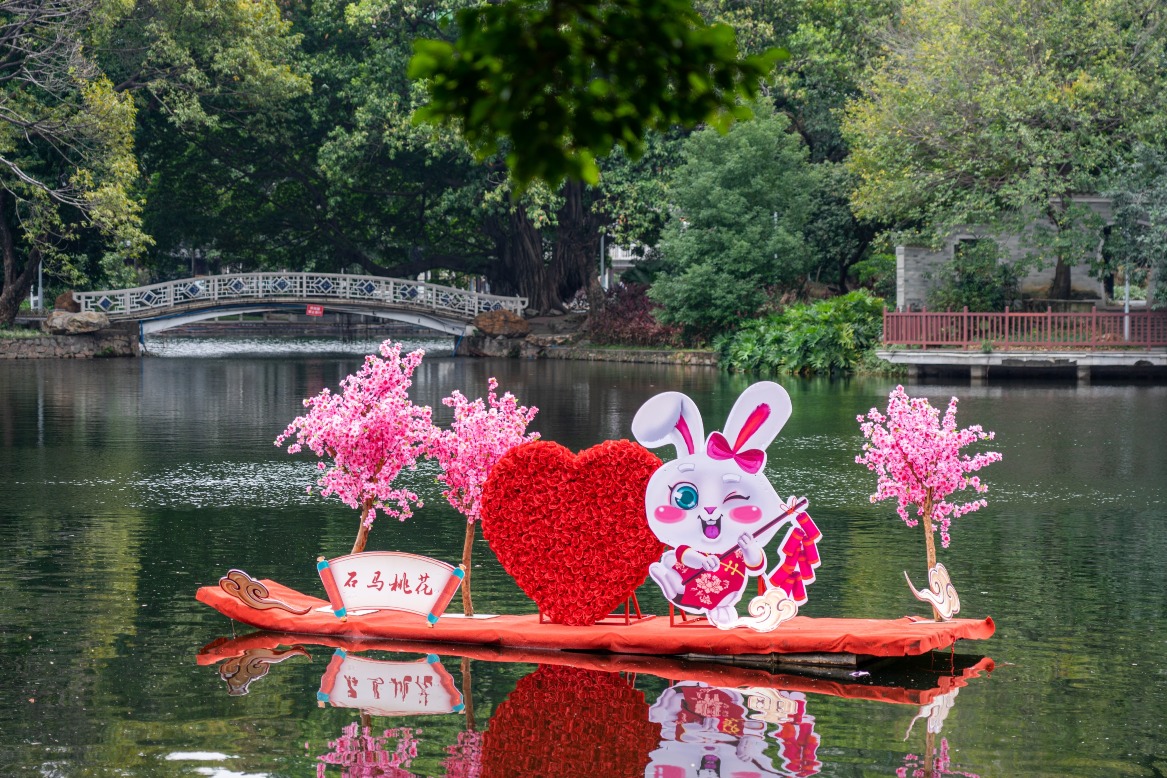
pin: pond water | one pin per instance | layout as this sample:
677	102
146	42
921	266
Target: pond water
127	484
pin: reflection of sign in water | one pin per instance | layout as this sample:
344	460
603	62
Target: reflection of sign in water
388	580
389	688
713	732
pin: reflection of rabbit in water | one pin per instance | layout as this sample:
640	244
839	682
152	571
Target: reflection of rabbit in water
713	504
709	727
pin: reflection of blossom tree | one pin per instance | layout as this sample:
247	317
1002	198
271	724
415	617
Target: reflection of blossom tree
917	766
465	756
360	754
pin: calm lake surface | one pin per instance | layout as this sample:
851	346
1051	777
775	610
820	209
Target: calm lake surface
127	484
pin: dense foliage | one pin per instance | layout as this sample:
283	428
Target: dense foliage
67	166
1139	236
976	279
741	204
996	113
607	73
628	318
829	336
144	141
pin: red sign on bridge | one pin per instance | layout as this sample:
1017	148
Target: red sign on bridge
315	310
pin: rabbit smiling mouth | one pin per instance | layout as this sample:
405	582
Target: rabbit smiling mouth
711	526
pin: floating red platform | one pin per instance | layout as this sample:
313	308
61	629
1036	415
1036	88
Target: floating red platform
649	636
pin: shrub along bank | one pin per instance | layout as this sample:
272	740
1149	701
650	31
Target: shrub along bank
838	335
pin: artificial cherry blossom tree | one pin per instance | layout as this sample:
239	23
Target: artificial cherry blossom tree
916	455
478	437
370	431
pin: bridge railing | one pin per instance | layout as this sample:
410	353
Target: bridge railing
390	292
1024	330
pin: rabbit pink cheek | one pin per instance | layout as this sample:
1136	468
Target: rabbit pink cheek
746	514
669	514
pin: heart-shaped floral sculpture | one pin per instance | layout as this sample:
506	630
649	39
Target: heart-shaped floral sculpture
571	529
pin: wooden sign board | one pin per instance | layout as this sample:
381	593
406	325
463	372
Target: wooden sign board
384	688
389	580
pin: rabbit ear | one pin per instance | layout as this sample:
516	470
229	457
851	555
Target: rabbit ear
669	417
758	416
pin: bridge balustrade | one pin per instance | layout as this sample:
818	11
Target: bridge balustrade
188	293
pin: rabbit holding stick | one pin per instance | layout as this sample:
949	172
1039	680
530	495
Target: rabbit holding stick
714	505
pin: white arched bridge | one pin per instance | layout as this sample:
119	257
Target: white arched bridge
174	303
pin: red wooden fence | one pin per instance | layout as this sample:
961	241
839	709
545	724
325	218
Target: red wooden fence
1013	330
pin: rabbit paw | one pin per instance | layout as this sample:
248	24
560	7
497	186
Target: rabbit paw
668	579
751	550
723	617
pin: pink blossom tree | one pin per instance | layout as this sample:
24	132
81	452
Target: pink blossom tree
370	431
916	455
478	437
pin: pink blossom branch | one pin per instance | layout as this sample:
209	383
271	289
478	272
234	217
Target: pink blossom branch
916	455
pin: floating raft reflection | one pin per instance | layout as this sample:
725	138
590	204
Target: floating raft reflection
916	684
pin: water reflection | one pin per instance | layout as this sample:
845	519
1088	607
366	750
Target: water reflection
265	345
128	484
726	732
603	715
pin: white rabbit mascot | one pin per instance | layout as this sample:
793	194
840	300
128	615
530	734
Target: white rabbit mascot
714	506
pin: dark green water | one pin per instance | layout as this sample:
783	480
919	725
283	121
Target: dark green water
126	485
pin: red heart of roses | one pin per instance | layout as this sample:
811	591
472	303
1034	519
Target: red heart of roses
571	529
605	732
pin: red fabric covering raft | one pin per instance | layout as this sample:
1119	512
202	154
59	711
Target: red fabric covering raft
653	635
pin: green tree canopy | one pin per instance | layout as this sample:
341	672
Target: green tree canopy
740	205
1139	193
566	81
983	110
66	144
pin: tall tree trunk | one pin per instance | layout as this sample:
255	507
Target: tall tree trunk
18	272
549	268
467	559
1059	288
577	246
522	268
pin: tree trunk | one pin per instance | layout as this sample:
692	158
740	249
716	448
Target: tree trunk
577	246
1059	288
930	545
467	554
468	692
522	267
18	272
363	530
549	268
